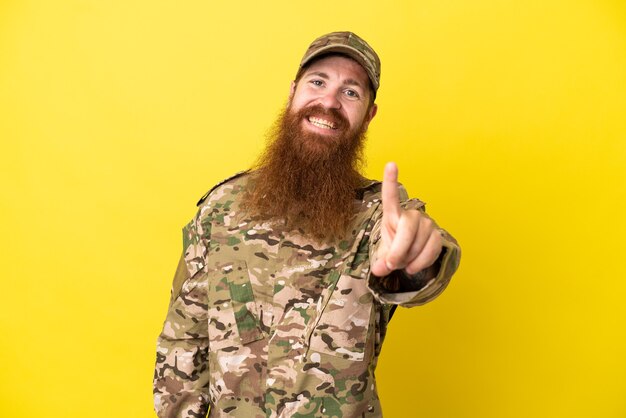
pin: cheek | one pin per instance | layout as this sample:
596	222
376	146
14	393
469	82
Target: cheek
357	118
294	104
297	103
301	95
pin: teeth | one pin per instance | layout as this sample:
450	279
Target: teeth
322	123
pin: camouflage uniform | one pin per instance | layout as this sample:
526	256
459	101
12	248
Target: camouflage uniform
264	322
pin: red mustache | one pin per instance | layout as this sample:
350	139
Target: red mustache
331	115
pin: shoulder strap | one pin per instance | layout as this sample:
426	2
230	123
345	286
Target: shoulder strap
204	197
368	186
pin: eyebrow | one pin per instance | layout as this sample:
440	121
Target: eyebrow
347	82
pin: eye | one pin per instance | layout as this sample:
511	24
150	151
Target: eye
352	93
317	82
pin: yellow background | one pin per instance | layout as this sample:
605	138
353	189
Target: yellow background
507	117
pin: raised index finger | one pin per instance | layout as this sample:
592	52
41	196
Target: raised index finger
390	194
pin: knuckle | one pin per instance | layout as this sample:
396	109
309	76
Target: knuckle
415	214
437	238
411	270
415	268
432	252
393	259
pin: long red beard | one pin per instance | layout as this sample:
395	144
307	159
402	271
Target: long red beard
308	181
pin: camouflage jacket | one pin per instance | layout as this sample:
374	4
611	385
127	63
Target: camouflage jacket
264	322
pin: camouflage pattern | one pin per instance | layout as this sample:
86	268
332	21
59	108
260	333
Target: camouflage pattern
264	322
350	44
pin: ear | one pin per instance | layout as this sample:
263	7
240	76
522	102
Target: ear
292	90
370	114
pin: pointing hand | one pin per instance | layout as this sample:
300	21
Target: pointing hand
410	240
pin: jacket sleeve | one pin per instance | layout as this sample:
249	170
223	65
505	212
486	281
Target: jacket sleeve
181	374
402	289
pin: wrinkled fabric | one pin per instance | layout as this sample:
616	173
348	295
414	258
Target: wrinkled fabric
265	322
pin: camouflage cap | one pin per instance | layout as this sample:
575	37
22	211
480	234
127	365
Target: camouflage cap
349	44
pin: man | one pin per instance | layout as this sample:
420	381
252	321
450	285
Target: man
290	272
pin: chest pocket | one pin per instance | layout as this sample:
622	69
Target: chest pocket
343	326
232	315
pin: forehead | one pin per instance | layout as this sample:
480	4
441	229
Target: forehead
340	67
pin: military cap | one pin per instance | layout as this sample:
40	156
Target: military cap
349	44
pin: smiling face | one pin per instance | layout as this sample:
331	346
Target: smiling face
333	97
307	176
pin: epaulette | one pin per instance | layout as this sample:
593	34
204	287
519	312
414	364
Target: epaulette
204	197
366	185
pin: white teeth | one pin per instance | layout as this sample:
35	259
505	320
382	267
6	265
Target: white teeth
322	123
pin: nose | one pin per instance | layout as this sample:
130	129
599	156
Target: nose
330	100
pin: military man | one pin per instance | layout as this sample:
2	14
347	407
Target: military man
291	271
